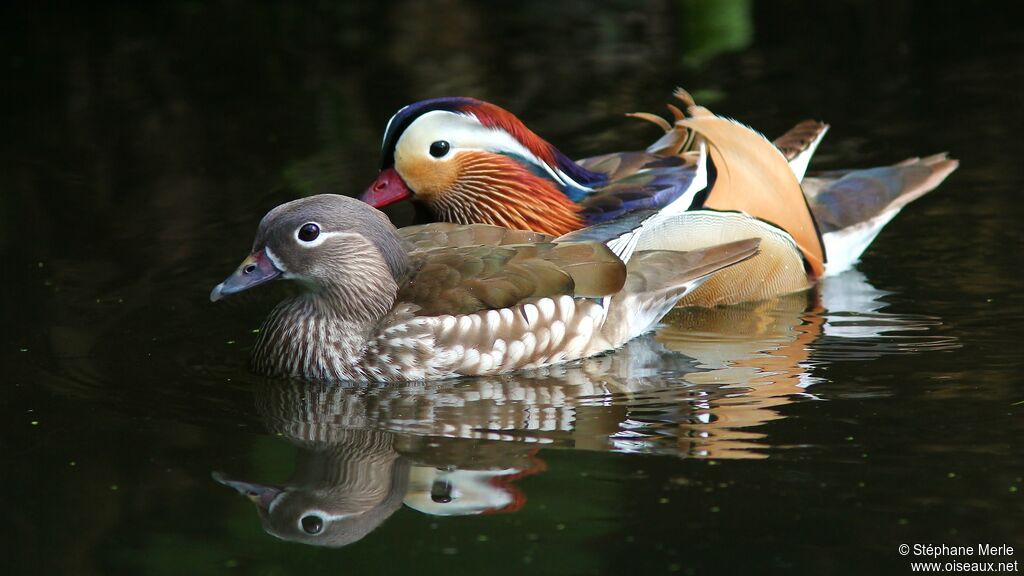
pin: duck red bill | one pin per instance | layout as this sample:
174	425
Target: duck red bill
253	271
388	188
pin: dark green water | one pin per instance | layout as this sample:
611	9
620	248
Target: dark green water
810	435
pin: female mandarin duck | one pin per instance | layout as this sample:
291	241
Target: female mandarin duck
443	300
473	162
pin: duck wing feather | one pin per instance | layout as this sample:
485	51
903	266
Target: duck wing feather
467	279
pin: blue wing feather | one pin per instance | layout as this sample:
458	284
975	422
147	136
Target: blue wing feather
650	189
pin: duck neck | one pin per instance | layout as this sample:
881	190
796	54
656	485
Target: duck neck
323	334
520	199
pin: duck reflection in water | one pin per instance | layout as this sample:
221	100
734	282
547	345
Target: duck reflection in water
700	387
348	479
340	491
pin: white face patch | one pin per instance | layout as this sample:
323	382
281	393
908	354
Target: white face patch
464	132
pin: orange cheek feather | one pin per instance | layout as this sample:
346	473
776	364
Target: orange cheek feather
486	188
498	190
427	178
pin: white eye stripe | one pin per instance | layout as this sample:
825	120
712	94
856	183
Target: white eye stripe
325	516
494	139
322	238
465	132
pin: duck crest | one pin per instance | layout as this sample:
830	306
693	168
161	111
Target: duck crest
574	180
493	116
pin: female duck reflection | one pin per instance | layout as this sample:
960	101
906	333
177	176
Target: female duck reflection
364	451
350	477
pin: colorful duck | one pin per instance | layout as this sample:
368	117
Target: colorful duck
444	300
473	162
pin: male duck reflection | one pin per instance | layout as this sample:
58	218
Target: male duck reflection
470	161
441	301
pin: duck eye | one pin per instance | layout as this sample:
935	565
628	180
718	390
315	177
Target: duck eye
312	524
439	148
308	232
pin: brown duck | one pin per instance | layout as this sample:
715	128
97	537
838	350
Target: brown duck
446	300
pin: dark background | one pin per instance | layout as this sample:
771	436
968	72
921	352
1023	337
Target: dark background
143	143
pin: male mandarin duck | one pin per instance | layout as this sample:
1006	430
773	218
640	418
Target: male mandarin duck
443	300
472	162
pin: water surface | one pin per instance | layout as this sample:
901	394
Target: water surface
810	434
